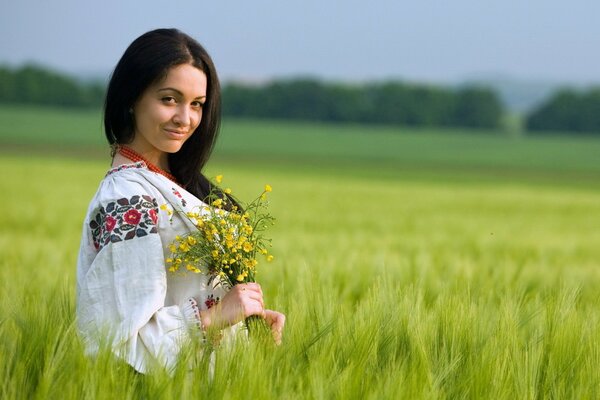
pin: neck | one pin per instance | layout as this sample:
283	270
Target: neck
130	154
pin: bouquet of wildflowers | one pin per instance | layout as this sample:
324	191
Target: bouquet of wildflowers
228	240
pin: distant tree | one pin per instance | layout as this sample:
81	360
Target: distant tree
477	107
568	111
33	84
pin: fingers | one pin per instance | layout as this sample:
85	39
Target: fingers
242	301
251	286
253	307
277	321
249	291
250	299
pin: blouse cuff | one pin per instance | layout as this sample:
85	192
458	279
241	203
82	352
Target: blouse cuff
191	311
192	315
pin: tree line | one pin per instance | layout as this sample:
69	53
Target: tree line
33	84
391	102
394	103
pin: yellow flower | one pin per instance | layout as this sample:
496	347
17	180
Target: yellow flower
215	254
240	278
227	191
248	247
172	269
270	258
165	207
172	248
184	247
219	178
217	203
263	251
191	240
268	188
248	229
190	267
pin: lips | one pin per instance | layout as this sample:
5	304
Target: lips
175	133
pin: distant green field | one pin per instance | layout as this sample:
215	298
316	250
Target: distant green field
411	264
395	151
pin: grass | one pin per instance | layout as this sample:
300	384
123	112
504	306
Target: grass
398	281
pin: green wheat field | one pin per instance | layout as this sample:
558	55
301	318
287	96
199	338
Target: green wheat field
416	264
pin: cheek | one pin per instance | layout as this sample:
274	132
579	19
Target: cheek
151	117
162	115
197	119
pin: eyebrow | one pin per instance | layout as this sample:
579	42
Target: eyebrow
178	92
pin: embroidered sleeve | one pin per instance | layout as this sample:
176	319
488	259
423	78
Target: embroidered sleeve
124	219
192	312
122	280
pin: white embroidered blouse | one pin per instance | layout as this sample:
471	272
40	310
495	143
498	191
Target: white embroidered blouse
123	287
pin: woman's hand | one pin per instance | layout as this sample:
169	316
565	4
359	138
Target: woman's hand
240	302
276	321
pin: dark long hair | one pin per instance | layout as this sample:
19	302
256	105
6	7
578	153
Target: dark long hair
146	61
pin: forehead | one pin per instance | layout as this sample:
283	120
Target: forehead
185	78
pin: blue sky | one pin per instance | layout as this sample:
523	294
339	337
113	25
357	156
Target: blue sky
346	40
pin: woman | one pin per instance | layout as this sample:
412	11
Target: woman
161	117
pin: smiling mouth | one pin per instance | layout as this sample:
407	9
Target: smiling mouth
174	132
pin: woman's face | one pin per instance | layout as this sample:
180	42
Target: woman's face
168	112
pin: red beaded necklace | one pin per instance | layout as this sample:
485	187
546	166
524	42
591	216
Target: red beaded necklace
136	157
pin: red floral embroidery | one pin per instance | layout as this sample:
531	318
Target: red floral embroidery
176	193
211	301
132	217
110	223
153	215
124	219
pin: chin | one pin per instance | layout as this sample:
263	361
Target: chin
173	148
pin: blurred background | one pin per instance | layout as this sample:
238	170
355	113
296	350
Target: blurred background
430	85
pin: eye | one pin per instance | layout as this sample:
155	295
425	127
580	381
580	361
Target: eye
197	104
168	100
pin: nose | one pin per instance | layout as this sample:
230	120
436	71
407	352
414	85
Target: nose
182	116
